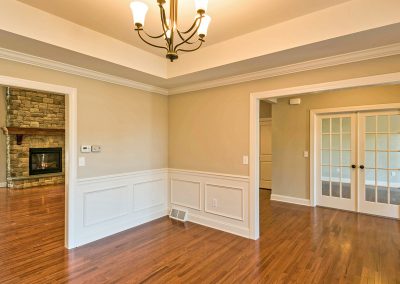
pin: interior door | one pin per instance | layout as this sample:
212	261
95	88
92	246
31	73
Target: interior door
266	153
379	152
337	157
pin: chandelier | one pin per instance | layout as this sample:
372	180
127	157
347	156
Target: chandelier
175	40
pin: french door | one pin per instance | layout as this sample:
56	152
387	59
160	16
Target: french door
359	162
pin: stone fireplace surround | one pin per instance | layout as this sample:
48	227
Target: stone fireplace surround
33	110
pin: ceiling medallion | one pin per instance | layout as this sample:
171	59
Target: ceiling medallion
175	40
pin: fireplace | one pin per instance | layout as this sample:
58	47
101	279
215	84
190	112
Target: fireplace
45	160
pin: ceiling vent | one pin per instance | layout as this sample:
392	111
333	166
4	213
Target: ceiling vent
179	215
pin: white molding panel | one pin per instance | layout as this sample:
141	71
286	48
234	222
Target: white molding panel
3	184
110	204
219	201
290	199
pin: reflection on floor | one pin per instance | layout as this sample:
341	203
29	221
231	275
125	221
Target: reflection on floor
298	245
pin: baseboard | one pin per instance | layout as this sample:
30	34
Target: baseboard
290	199
3	184
112	231
221	226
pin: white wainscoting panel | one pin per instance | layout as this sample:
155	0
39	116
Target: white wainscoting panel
186	193
220	201
111	204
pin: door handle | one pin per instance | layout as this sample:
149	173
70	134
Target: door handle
362	167
353	166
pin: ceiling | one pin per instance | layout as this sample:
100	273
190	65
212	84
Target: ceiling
229	18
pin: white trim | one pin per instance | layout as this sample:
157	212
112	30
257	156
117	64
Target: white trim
356	56
346	58
70	145
290	199
255	97
208	174
3	184
71	69
313	136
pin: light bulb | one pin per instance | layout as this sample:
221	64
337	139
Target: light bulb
205	22
139	10
201	6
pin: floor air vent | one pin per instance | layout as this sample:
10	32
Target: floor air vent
179	215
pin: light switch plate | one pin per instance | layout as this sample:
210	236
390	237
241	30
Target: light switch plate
86	148
305	154
82	161
245	160
96	148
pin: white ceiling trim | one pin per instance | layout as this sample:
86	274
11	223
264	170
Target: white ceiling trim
357	56
351	57
71	69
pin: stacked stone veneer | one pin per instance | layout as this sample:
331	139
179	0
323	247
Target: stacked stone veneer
30	109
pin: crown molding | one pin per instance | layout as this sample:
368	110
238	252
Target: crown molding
71	69
357	56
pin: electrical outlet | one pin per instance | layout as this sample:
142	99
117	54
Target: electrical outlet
82	161
245	160
214	203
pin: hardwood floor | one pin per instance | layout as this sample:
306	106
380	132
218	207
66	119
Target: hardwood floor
297	245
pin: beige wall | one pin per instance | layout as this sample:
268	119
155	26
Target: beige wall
209	129
291	132
3	114
130	125
265	110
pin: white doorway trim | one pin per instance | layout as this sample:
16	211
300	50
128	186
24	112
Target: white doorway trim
70	144
385	79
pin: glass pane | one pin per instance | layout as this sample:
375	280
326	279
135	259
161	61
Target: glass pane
370	177
325	157
382	160
370	141
325	141
335	174
394	158
346	158
326	126
383	123
370	159
336	189
395	195
335	125
382	141
395	142
346	175
346	124
370	124
382	177
395	123
370	193
382	194
346	141
346	192
325	188
336	158
336	141
325	173
394	177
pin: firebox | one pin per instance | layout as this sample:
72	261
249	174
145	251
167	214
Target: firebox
45	160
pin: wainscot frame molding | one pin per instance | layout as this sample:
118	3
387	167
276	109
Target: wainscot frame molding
70	145
384	79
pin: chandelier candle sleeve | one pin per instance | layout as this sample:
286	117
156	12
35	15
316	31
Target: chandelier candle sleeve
172	39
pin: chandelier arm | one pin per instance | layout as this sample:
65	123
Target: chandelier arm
189	38
193	25
182	38
190	50
164	26
161	35
153	45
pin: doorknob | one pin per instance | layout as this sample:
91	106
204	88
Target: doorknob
362	167
353	166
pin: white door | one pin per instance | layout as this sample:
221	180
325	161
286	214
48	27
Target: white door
337	156
358	165
379	152
266	153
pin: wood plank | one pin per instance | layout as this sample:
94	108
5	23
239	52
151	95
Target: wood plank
298	244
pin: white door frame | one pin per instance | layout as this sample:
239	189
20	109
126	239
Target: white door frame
70	144
254	224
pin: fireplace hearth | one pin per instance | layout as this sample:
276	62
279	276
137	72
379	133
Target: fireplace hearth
45	160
